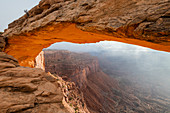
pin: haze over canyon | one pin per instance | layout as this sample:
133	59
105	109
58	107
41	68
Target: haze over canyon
116	77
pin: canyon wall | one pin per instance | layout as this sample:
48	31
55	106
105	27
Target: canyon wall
102	93
83	70
141	22
73	66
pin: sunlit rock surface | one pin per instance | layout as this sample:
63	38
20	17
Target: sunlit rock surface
39	61
144	23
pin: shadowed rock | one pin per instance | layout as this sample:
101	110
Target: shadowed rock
2	43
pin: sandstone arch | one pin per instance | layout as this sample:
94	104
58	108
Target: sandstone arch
140	22
144	23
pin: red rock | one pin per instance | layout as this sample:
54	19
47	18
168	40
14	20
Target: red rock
101	92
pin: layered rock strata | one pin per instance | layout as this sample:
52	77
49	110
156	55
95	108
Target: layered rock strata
102	93
2	43
84	71
24	90
146	20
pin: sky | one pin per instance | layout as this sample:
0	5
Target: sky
107	47
11	10
100	46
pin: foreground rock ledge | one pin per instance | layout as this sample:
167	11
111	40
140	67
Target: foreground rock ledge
24	90
144	23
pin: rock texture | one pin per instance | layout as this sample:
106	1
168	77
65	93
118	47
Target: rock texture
84	71
31	90
2	43
146	20
140	22
103	93
39	61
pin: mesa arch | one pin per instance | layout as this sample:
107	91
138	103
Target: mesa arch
26	47
89	21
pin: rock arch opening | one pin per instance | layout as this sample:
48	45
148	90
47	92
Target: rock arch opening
26	46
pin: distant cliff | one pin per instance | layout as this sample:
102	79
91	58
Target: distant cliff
84	70
102	93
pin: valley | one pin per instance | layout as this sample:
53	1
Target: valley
106	90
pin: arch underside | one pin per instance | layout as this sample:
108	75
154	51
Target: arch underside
26	46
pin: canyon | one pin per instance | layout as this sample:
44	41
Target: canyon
83	70
102	92
27	89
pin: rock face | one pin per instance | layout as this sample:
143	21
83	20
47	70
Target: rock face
24	90
39	61
146	20
140	22
102	93
84	71
2	43
74	67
